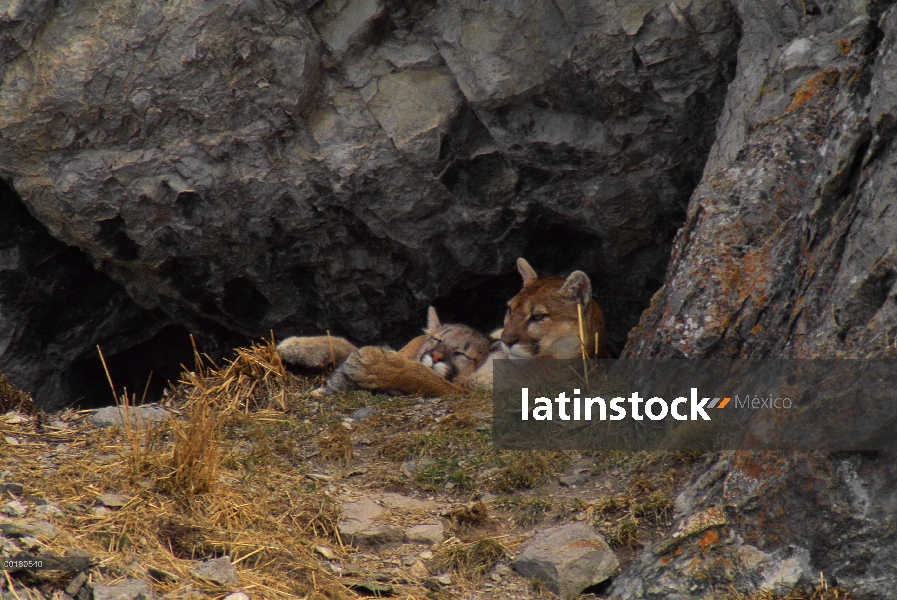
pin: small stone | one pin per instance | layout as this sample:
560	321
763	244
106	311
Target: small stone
568	559
373	588
325	552
380	535
29	543
428	533
14	509
409	560
574	480
8	548
346	425
111	416
409	468
363	413
100	511
218	570
47	511
319	477
449	486
426	555
75	584
357	516
129	589
444	579
15	489
237	596
38	529
114	500
419	570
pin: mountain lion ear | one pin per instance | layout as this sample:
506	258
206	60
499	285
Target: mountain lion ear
432	319
526	271
579	287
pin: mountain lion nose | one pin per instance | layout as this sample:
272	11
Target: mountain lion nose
436	356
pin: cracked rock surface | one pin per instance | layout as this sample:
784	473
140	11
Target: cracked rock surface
788	251
228	168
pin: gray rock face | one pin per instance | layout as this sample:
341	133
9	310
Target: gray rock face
568	559
764	520
788	251
55	308
231	168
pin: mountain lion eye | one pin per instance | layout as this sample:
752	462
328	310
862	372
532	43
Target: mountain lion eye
461	354
538	318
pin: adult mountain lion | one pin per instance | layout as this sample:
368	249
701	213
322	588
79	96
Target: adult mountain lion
550	317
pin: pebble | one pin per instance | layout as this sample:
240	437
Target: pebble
218	570
114	500
14	509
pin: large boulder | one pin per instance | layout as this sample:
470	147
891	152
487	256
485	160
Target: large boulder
233	167
789	251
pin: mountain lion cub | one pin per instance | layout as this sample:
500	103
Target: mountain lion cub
550	317
430	365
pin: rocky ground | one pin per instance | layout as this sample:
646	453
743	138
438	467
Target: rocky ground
281	494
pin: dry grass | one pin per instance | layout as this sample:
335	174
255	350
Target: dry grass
470	561
12	398
820	592
472	516
336	447
268	527
255	379
526	469
235	474
184	505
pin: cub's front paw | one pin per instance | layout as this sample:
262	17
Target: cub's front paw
314	352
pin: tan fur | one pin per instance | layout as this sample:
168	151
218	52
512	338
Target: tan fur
315	352
384	370
543	318
425	366
542	322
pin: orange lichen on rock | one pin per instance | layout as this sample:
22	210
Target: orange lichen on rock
845	46
710	537
813	87
760	465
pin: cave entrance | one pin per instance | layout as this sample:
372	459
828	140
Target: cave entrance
156	361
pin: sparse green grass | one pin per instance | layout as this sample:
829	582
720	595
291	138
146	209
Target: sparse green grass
442	471
528	469
528	510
